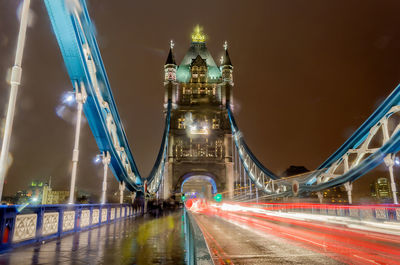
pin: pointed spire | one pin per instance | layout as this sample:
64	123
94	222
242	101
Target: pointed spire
171	57
226	60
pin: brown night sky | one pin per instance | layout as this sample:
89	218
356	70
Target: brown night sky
307	74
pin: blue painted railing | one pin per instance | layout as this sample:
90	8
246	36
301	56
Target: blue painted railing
21	225
196	248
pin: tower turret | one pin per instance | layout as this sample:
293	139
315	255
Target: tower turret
170	65
227	76
170	75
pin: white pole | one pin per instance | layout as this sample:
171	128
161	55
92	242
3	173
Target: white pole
121	192
240	170
389	161
393	185
349	187
15	81
233	168
245	175
320	197
256	192
80	98
106	161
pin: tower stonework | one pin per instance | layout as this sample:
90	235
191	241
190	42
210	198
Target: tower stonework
200	139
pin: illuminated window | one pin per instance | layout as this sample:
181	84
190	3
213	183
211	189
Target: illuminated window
215	123
181	123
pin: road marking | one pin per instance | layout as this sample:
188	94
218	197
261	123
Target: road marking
370	260
301	238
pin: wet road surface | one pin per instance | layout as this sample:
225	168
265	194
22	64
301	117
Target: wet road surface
144	240
231	242
243	238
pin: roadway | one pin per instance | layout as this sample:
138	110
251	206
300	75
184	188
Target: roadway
248	238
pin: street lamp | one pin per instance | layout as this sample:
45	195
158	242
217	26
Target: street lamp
97	159
80	96
15	82
397	161
105	158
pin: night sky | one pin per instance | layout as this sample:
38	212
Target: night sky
306	73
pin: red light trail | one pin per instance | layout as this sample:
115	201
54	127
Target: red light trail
348	245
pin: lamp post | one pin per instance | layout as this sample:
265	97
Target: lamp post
106	161
80	99
15	82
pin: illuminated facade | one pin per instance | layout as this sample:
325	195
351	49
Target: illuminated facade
54	196
381	190
333	195
200	141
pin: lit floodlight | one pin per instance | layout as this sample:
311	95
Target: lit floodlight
97	159
195	130
397	161
68	98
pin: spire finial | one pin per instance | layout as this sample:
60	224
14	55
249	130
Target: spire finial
198	35
172	44
225	45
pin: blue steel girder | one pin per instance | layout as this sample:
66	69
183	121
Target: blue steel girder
352	160
75	35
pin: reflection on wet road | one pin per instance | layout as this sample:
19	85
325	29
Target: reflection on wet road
144	240
233	242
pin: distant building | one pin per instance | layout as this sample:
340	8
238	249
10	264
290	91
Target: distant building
35	192
334	195
50	196
38	192
20	197
381	190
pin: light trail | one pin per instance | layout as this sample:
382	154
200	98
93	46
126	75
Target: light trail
345	244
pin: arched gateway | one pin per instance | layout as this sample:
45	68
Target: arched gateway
200	139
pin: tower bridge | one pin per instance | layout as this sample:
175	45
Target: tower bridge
200	139
202	150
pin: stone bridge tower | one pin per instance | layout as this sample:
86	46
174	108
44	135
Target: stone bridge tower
200	140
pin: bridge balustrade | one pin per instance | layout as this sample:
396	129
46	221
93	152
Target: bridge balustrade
21	225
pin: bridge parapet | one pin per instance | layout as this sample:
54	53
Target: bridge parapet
21	224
